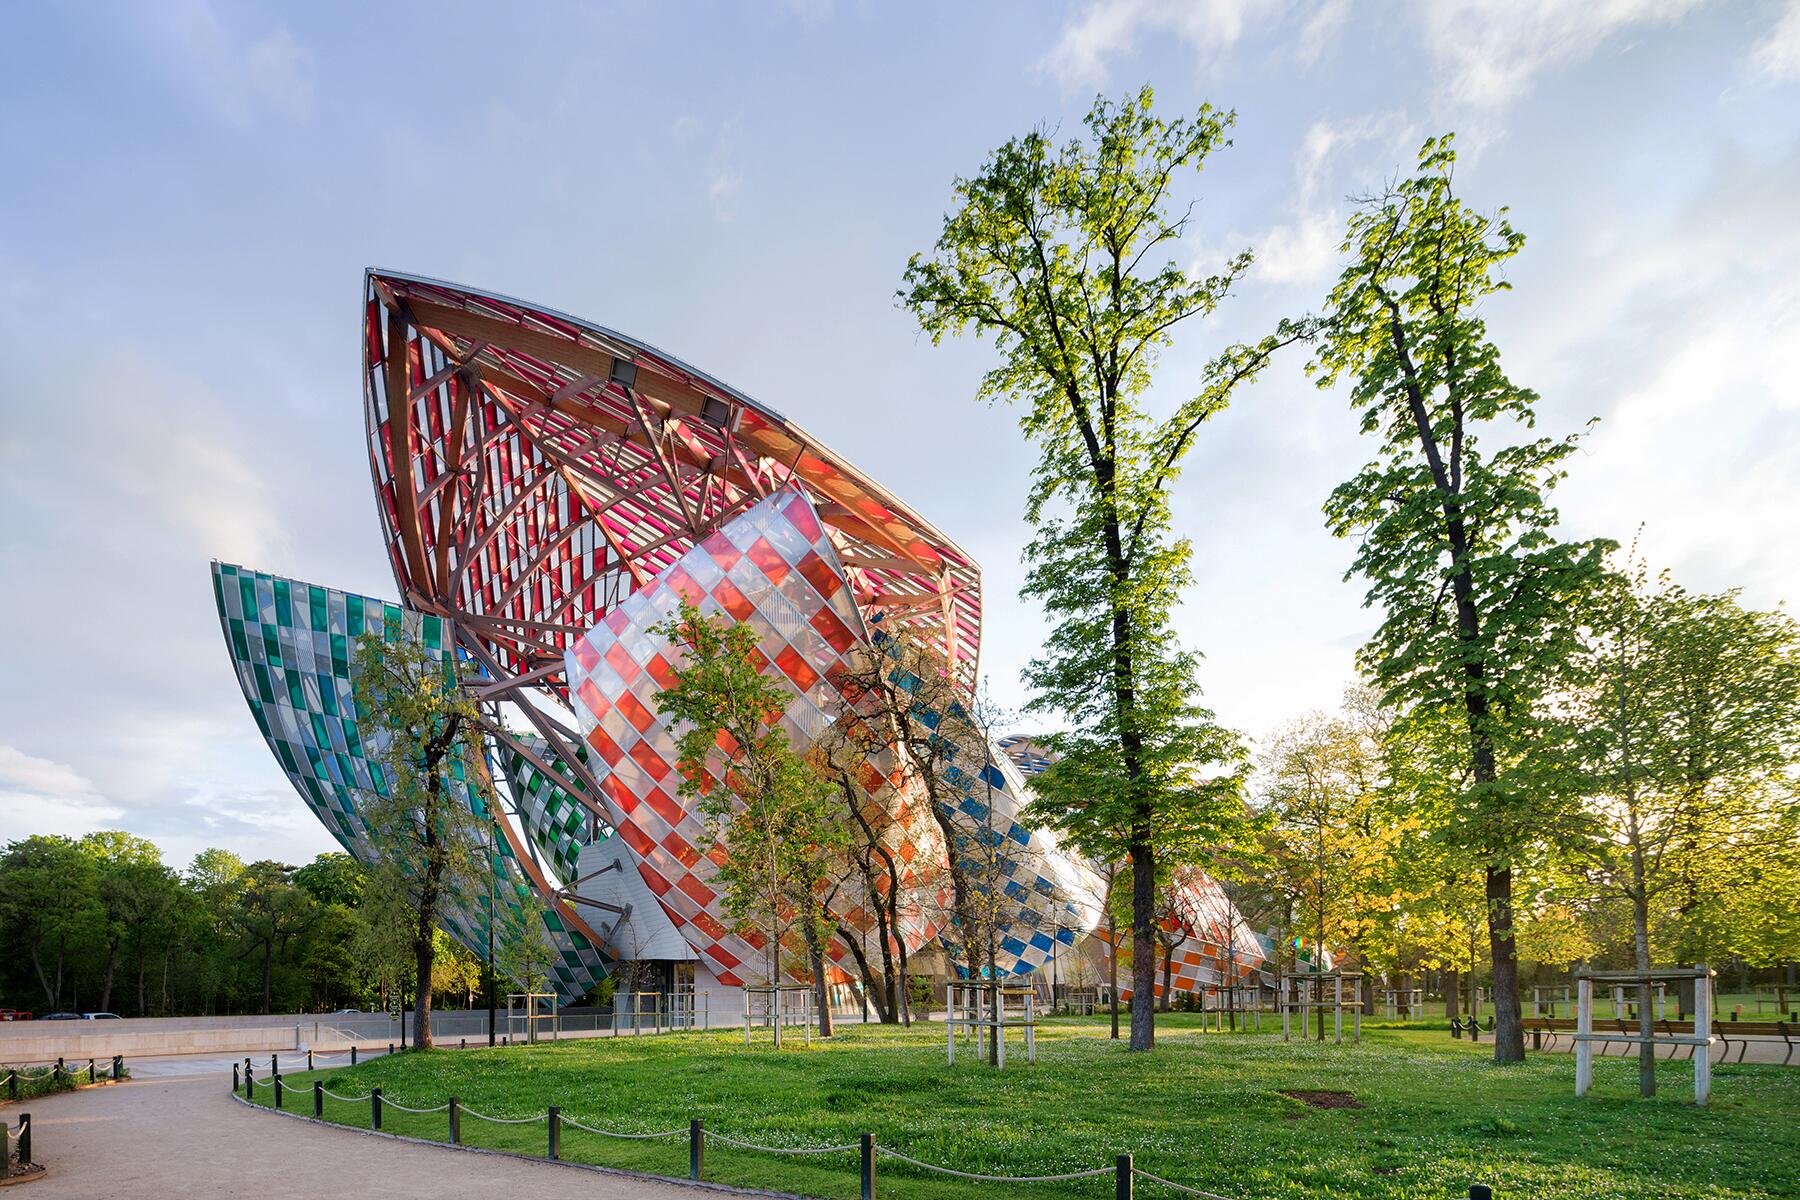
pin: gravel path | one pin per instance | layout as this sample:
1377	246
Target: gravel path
186	1137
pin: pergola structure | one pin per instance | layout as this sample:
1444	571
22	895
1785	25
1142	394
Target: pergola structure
540	469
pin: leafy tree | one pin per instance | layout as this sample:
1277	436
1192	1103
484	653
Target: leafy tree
1456	540
48	904
333	878
1680	730
128	871
432	842
269	913
774	817
1054	253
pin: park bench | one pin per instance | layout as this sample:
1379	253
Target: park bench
1726	1031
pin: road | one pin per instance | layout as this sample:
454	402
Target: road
181	1136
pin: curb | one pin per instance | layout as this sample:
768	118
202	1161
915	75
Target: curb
621	1172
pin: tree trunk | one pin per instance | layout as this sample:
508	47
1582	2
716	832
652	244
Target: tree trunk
425	952
112	959
1640	937
1112	971
1143	945
1509	1033
875	993
1452	986
268	967
815	956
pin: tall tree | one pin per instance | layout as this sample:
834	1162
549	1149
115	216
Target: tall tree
1457	541
433	841
1061	255
269	913
1682	729
774	816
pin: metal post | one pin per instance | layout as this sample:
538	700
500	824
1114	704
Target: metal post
309	1061
24	1150
118	1066
249	1082
236	1080
93	1075
696	1148
455	1121
390	1048
555	1133
1122	1177
5	1148
375	1108
353	1054
318	1100
1584	1025
1480	1191
868	1166
56	1075
274	1064
12	1083
277	1079
1703	1011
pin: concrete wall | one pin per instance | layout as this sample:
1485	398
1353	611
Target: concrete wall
24	1042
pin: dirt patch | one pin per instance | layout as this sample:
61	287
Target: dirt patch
1325	1099
14	1173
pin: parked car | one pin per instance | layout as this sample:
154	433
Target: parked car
101	1017
14	1014
63	1017
348	1012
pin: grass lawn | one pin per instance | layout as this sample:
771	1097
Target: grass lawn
1203	1109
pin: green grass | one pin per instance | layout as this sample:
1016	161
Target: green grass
1203	1109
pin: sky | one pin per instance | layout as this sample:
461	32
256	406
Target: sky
192	191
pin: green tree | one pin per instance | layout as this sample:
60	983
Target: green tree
49	905
1456	541
333	878
1681	731
775	816
270	912
1062	256
432	841
128	871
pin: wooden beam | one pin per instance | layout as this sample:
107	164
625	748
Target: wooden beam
399	444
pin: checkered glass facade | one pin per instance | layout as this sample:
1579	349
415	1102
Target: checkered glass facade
774	569
293	647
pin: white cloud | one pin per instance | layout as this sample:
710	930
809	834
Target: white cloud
1108	29
280	70
722	190
234	78
1321	31
1487	52
1777	56
39	795
1302	249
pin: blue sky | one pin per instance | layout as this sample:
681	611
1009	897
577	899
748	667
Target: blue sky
192	191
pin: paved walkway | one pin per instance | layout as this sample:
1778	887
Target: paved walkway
186	1137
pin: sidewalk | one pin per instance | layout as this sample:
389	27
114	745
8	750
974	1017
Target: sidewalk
186	1137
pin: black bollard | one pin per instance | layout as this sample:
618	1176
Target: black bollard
555	1133
318	1100
1122	1177
309	1062
118	1067
249	1083
277	1091
462	1043
1456	1028
868	1166
696	1148
274	1064
12	1085
56	1075
375	1108
455	1121
1480	1191
236	1082
24	1150
353	1056
93	1075
390	1047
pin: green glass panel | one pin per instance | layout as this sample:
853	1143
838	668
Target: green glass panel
284	611
316	601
